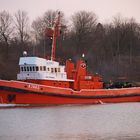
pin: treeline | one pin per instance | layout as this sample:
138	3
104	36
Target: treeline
111	49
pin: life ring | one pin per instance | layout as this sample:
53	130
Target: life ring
83	65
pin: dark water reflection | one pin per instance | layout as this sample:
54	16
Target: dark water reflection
72	122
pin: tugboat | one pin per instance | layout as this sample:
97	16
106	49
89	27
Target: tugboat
47	82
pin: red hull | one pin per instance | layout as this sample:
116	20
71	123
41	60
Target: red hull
15	92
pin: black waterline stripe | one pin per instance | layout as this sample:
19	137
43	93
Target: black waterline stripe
22	91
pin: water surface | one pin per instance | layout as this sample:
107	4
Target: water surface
72	122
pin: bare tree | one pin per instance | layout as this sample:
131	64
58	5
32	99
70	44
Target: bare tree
49	18
38	28
43	29
121	40
84	24
21	24
5	27
46	21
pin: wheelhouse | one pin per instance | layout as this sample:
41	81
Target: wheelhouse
40	68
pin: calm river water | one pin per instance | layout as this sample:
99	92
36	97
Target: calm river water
72	122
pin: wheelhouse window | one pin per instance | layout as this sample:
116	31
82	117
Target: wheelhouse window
41	68
21	69
44	68
31	68
37	68
55	69
52	70
58	69
24	68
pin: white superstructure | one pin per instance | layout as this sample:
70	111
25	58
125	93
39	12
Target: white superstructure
40	68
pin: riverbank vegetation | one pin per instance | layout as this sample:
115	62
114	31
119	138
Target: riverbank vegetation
111	49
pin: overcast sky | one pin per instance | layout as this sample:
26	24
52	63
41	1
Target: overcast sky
104	9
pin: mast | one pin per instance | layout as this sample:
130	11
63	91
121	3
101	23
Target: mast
56	33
